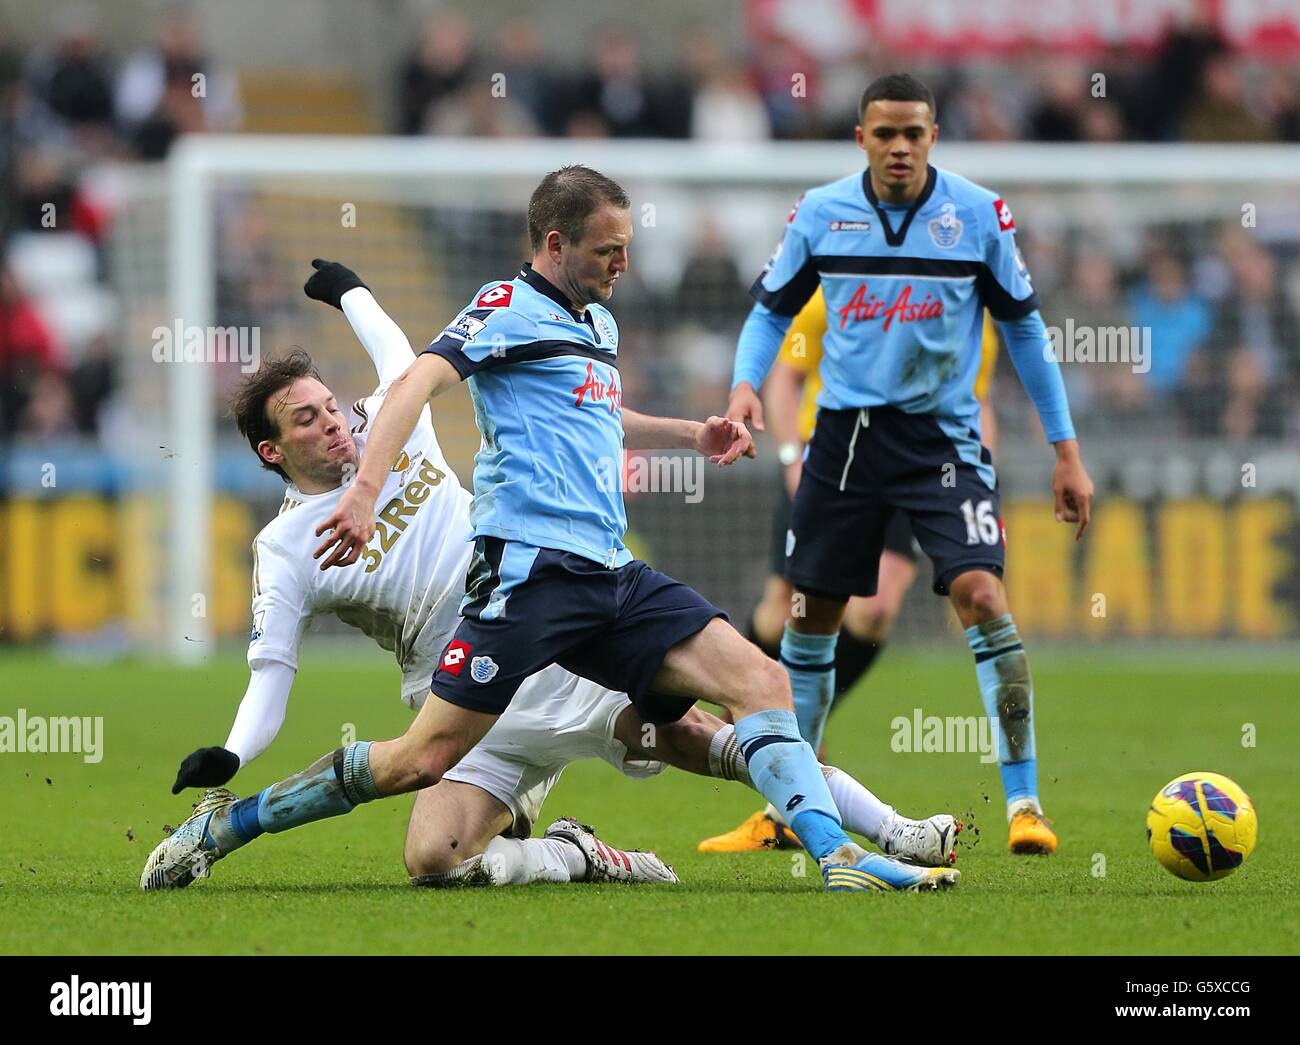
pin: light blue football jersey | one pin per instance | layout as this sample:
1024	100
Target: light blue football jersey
905	289
548	399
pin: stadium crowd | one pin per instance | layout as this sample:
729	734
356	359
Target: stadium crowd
1223	310
1192	88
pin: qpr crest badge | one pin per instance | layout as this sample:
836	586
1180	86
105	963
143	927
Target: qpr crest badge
945	230
483	669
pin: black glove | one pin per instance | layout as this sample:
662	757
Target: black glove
330	282
206	767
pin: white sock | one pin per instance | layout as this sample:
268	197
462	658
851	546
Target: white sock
515	861
727	763
725	760
1023	805
860	810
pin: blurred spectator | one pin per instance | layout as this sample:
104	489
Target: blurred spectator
73	81
1219	112
711	290
91	384
1176	75
585	123
528	80
1103	121
1284	105
439	68
27	351
728	109
630	104
11	75
47	198
48	411
1091	297
785	77
710	305
178	112
1255	356
979	113
1059	116
1178	319
476	112
251	285
173	88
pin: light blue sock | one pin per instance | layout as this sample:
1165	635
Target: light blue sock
1008	693
785	772
810	660
330	786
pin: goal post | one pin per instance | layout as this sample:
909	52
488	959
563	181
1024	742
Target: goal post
433	216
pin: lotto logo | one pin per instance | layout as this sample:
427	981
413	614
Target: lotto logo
1005	221
454	659
497	297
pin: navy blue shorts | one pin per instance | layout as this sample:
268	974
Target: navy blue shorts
898	533
526	608
862	467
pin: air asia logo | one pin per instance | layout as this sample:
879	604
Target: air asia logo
867	306
454	659
497	297
599	390
1006	223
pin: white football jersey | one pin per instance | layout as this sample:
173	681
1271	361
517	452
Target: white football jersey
405	590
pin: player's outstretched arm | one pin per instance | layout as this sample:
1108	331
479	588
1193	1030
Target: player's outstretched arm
336	284
720	440
258	721
352	523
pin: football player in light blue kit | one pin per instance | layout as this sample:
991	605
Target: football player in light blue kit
908	257
550	580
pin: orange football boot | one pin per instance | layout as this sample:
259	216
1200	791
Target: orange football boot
757	833
1030	835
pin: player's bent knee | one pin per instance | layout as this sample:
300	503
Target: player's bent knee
870	622
764	687
425	860
423	767
979	595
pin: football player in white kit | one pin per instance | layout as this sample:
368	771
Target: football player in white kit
475	824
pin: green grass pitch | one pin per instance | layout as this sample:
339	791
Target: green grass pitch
1111	730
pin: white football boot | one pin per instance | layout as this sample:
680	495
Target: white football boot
928	843
188	852
607	864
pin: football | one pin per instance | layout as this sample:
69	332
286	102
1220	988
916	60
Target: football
1201	826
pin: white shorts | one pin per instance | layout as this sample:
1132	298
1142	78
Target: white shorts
555	718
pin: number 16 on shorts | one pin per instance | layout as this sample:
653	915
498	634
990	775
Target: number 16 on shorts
982	526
